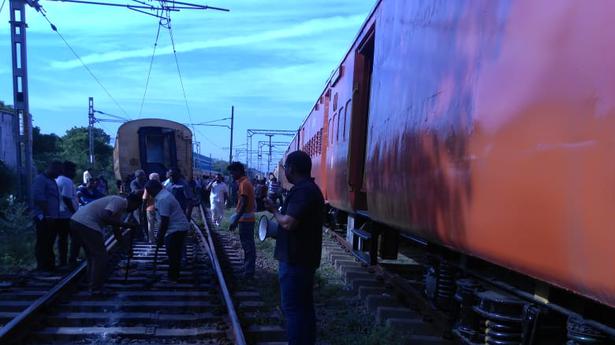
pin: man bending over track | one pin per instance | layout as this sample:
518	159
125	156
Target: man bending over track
298	247
89	223
173	226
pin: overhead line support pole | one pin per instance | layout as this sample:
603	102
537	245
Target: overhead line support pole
230	151
23	120
91	122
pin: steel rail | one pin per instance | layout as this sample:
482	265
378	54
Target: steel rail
230	307
12	328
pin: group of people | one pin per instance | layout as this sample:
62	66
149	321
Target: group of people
55	201
168	206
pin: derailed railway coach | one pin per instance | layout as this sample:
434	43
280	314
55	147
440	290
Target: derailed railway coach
154	145
483	132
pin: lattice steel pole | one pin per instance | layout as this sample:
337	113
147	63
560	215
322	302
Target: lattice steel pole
23	125
91	122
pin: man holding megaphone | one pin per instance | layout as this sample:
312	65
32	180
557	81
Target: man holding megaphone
298	247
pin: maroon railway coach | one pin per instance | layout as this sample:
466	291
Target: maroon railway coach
485	128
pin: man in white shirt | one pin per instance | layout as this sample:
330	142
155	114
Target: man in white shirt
68	206
173	226
89	223
217	197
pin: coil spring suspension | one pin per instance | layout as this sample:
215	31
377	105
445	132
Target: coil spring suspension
440	285
503	315
470	326
579	333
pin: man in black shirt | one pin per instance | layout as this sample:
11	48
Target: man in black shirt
298	247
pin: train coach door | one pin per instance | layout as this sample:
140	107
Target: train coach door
364	62
157	150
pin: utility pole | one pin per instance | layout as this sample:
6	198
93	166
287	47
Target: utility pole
230	151
91	122
23	121
269	158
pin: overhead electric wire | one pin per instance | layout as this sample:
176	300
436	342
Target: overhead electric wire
111	115
149	72
2	6
54	28
181	80
179	73
209	140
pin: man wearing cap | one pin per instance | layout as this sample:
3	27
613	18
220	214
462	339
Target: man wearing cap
244	217
298	247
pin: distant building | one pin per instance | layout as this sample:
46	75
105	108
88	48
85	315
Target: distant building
8	140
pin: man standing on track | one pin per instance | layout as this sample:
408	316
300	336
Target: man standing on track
217	197
298	247
68	206
138	184
89	224
45	210
150	211
173	226
244	217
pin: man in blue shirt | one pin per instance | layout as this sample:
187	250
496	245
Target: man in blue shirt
45	211
298	247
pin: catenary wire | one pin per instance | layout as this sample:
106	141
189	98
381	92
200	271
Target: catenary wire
2	6
149	72
54	28
181	80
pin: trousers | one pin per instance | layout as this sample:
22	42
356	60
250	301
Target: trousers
64	232
152	224
217	210
246	236
95	254
46	233
174	244
297	294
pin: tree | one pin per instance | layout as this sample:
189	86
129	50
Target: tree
219	166
45	148
75	145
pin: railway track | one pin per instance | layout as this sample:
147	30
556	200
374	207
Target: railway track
143	307
262	324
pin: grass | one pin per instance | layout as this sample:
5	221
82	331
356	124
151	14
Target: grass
342	319
17	238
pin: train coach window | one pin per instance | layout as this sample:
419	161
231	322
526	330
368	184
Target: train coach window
329	131
346	111
337	133
333	128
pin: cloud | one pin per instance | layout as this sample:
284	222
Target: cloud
306	28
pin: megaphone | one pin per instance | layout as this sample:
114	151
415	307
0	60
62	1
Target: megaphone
267	228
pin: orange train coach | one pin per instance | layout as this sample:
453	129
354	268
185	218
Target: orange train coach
483	132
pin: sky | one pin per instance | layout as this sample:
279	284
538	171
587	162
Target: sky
268	58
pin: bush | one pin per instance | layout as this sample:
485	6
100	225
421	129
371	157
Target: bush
9	179
16	236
